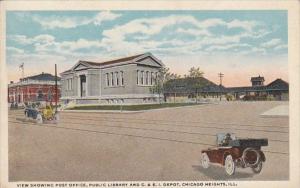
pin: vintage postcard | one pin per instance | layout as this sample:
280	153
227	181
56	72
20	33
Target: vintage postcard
149	94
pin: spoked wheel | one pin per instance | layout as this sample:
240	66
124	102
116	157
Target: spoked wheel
229	165
56	117
257	168
39	119
204	160
26	115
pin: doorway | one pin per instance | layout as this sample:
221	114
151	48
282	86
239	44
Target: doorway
82	85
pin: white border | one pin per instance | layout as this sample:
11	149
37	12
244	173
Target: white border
293	32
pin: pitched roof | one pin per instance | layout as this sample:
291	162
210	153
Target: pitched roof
278	84
113	61
190	85
258	78
43	76
99	64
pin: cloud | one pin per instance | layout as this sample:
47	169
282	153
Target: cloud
48	43
13	50
280	47
226	47
178	33
54	22
169	35
271	43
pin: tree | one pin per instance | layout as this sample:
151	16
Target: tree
163	76
195	72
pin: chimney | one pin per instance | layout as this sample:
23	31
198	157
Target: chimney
11	82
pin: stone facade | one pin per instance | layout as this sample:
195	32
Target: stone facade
122	81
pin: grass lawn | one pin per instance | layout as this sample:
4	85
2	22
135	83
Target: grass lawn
132	107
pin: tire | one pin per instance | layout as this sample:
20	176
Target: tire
205	160
244	156
229	165
39	119
257	169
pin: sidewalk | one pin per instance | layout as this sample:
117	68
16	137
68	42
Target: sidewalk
278	111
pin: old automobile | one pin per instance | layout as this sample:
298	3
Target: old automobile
232	152
41	115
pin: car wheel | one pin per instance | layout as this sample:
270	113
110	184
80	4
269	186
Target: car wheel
39	119
204	160
257	168
229	165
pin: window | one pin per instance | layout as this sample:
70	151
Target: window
69	84
147	78
142	78
40	95
137	77
117	78
151	80
112	79
107	79
122	78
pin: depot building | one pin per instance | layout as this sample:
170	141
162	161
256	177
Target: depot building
121	81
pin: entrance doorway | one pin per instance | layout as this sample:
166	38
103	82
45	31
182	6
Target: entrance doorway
82	85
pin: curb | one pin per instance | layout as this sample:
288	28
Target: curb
132	112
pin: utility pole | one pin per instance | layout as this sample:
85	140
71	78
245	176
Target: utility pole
221	75
56	91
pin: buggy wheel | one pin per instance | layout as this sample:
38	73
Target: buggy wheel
204	160
257	168
229	165
26	115
56	117
39	119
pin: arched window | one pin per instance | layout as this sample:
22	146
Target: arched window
107	79
40	95
142	78
49	95
122	78
112	79
151	80
117	78
147	78
137	77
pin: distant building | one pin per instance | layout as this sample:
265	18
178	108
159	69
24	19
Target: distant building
126	80
186	89
37	88
276	90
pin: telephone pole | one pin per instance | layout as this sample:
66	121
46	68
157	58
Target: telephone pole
221	75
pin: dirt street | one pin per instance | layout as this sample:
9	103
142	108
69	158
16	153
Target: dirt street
162	144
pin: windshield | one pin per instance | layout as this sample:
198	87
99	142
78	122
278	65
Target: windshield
223	138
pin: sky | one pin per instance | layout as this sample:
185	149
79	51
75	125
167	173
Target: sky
240	44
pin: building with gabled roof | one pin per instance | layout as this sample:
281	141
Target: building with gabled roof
37	88
125	80
185	89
